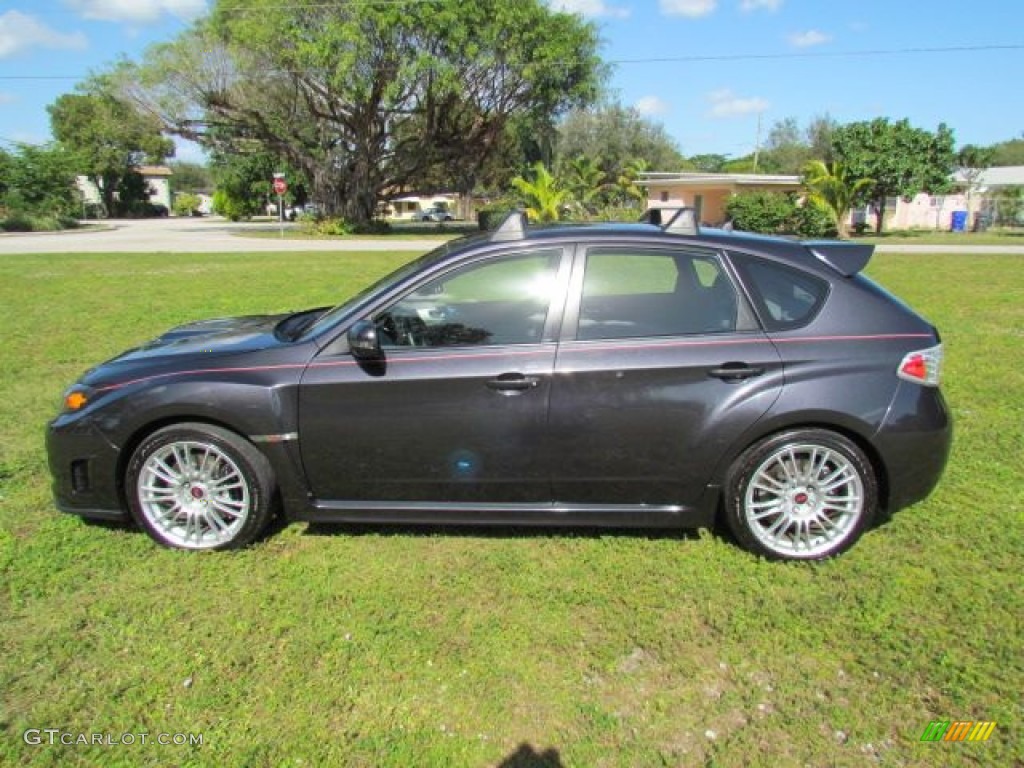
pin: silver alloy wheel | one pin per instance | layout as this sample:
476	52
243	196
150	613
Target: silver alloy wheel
193	494
803	500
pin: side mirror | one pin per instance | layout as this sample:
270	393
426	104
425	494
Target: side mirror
363	341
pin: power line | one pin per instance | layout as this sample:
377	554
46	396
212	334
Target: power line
821	54
716	57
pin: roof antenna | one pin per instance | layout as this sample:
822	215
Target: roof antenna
513	227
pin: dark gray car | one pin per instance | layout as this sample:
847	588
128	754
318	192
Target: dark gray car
628	375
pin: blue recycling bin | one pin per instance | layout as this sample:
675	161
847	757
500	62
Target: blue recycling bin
959	222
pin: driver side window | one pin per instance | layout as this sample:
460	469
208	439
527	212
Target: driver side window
503	300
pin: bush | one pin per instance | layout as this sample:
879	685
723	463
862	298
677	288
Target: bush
332	227
186	204
373	227
231	207
771	213
16	222
765	212
811	221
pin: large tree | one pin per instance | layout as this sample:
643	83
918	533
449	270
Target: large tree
38	180
615	136
1010	152
369	99
110	137
789	147
900	159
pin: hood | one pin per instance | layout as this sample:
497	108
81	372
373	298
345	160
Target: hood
225	335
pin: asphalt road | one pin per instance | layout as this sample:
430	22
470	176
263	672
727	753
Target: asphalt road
205	235
215	235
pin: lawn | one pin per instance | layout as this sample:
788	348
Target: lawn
1001	236
453	647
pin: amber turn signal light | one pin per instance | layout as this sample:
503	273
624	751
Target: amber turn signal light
75	400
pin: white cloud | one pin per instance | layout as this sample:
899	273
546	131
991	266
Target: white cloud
692	8
20	32
725	103
809	38
6	98
138	11
758	5
590	8
651	105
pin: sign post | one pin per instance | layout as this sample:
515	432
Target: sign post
280	187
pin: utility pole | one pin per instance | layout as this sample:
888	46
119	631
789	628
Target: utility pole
757	142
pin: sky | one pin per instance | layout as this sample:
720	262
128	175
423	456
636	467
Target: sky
708	70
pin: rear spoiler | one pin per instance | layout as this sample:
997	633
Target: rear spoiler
845	258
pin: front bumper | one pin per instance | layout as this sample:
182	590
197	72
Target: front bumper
83	464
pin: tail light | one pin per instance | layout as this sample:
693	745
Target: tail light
922	366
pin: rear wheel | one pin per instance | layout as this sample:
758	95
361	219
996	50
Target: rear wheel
801	495
197	486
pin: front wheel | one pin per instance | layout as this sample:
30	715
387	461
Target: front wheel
801	495
197	486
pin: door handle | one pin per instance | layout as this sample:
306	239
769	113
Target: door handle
513	382
735	371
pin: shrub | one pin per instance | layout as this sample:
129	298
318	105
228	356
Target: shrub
373	227
333	227
764	212
16	222
809	220
231	207
186	204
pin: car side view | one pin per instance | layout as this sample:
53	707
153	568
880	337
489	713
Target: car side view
600	375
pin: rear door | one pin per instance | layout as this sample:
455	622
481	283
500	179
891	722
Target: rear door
661	368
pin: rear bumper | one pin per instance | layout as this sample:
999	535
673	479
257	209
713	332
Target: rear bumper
83	465
914	442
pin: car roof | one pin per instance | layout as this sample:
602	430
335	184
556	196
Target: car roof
829	256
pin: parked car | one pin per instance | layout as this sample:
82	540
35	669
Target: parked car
629	375
435	213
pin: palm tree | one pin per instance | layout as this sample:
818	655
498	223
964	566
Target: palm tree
831	188
585	182
628	189
543	195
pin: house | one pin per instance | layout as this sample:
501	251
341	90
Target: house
708	193
158	183
412	207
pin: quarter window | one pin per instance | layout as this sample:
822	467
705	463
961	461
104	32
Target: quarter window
502	300
633	292
785	297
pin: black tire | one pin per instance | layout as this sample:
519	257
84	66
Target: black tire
805	494
198	486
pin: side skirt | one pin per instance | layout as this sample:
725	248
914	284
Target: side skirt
479	513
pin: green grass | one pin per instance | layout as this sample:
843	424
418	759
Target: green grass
375	647
932	237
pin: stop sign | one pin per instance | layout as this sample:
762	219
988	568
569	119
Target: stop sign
280	186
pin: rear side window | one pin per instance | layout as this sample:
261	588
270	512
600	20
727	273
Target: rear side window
634	292
784	297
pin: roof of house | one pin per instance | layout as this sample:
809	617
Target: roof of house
693	178
154	170
1005	176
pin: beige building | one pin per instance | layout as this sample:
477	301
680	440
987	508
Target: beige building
708	193
158	183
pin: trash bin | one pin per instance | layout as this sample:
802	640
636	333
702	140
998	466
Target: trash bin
959	222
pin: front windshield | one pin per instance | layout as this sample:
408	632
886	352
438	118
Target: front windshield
329	318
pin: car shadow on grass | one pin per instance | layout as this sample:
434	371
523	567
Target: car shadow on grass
497	531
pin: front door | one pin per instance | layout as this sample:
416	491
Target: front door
457	408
